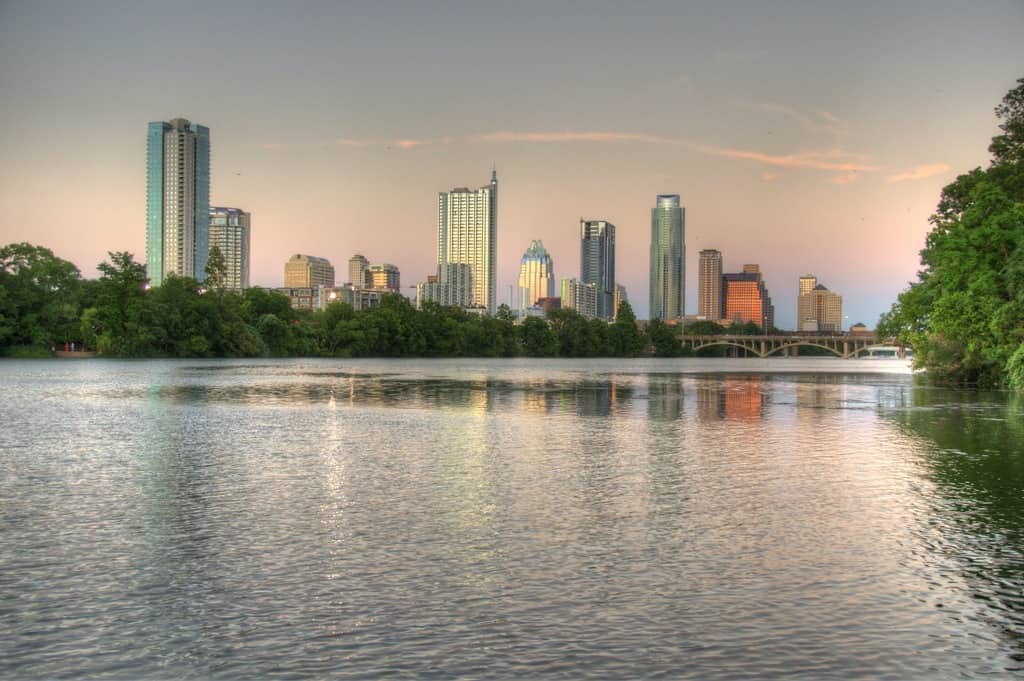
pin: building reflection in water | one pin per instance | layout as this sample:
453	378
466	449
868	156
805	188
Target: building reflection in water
664	397
732	398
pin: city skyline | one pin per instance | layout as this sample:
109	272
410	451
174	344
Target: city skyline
802	154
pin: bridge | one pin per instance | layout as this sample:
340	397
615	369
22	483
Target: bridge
846	347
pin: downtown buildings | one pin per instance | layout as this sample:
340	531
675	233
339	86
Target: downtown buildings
230	234
467	249
597	264
536	276
177	199
818	309
308	271
745	298
668	259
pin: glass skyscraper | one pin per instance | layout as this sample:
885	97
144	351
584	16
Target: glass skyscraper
467	234
597	263
177	199
536	275
668	258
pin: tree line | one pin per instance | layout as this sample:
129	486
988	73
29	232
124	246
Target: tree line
964	316
45	305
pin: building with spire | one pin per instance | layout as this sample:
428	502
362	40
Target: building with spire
536	275
467	243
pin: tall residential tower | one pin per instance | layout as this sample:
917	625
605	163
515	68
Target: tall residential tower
709	285
668	258
177	199
230	232
467	234
597	263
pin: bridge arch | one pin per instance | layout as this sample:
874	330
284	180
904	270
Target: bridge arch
748	347
837	352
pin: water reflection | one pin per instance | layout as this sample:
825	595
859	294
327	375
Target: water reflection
976	460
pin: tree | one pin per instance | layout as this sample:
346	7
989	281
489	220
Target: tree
119	322
216	269
626	340
664	340
964	316
538	339
39	297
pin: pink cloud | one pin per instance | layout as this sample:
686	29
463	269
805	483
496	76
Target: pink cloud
573	136
843	178
818	160
411	144
919	172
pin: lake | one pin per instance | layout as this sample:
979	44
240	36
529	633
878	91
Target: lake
712	519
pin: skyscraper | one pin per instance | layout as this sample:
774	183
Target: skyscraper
818	309
709	285
745	298
536	275
467	233
668	258
308	271
385	276
230	232
177	199
579	296
597	263
357	268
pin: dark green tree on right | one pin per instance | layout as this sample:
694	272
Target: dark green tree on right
964	316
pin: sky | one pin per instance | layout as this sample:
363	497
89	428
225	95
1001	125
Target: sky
807	137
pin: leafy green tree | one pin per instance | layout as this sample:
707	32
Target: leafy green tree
664	340
964	316
704	328
120	323
39	297
538	339
216	269
624	335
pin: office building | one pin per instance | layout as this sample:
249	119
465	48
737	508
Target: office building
745	298
229	232
308	271
620	298
358	265
709	285
383	277
536	275
668	258
579	296
177	199
818	309
467	234
597	263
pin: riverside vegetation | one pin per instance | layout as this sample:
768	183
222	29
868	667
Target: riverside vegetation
45	303
964	316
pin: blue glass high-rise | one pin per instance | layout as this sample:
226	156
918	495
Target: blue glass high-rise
177	199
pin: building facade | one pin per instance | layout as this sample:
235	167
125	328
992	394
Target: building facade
357	268
668	258
745	298
709	285
620	298
177	199
819	309
308	271
597	263
230	233
579	296
536	275
383	277
467	234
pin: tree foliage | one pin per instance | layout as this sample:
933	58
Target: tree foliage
964	316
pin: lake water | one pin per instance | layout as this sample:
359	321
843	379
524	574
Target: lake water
507	519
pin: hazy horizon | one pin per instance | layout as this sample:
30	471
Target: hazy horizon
807	139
